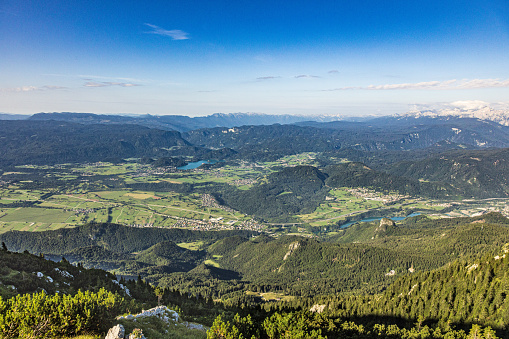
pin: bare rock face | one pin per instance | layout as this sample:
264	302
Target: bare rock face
291	248
384	223
116	332
381	229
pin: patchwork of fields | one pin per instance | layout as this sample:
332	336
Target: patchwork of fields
49	197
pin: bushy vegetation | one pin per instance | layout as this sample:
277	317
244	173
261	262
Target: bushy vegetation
304	324
47	316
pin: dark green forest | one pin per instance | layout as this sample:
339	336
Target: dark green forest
467	298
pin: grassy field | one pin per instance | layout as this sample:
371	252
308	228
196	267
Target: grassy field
193	246
271	296
211	262
78	200
340	203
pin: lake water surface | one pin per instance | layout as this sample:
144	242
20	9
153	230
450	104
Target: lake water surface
196	164
374	219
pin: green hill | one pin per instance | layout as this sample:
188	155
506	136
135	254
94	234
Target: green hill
359	175
53	142
120	239
293	190
472	291
167	252
481	174
27	273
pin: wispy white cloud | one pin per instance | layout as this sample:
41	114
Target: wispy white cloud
270	77
469	104
31	88
483	83
434	85
333	71
100	78
306	76
459	106
175	34
107	84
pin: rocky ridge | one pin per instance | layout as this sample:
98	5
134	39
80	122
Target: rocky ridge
480	112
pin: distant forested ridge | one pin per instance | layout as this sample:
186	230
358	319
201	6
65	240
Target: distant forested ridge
429	157
376	135
301	189
480	174
179	123
122	239
51	142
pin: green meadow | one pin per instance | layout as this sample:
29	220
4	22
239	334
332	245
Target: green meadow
77	199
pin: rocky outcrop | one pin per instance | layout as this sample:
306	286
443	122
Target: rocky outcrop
162	312
317	308
116	332
381	229
291	248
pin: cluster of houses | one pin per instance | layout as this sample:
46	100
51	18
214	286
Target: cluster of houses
373	195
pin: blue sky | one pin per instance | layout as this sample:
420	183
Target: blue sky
277	57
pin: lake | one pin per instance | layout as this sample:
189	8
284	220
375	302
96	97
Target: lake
196	164
375	219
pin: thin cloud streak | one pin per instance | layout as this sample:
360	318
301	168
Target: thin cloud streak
268	78
31	89
433	85
174	34
107	84
306	76
113	79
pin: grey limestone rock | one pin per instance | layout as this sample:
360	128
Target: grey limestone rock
116	332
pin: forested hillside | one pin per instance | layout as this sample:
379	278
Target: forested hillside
477	173
290	191
454	301
365	257
409	134
28	273
179	123
113	237
51	142
358	175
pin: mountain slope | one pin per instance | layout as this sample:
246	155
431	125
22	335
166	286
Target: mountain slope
290	191
179	122
51	142
26	273
480	174
120	239
463	292
359	175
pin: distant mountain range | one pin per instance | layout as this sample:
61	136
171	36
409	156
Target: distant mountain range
482	113
5	116
183	123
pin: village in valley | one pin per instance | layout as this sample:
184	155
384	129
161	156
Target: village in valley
76	199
